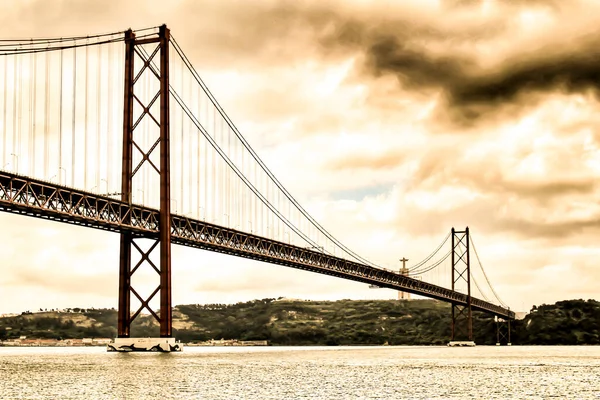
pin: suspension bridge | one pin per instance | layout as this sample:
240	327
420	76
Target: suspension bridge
118	132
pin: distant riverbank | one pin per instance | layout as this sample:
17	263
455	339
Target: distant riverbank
24	342
296	322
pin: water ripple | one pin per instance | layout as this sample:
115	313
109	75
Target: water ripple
303	373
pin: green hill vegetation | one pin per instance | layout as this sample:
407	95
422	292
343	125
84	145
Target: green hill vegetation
344	322
573	322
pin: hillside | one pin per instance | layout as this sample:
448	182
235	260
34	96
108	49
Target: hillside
566	322
345	322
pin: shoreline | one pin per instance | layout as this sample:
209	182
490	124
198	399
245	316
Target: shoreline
87	342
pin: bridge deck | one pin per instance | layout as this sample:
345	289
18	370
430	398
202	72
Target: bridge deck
36	198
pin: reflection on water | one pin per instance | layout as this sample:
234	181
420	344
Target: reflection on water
303	373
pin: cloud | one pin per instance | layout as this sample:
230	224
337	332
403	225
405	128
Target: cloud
74	283
447	57
462	49
391	123
565	71
430	49
365	160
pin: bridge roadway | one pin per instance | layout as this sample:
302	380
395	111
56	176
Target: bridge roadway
36	198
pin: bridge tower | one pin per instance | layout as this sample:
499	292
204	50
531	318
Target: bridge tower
462	317
129	243
502	331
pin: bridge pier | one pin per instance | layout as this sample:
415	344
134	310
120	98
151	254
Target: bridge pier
128	240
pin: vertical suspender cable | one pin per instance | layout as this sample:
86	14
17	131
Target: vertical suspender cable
220	168
238	185
190	160
14	121
275	226
73	117
227	174
98	97
205	165
265	207
5	90
60	115
198	161
270	227
261	206
34	119
214	169
85	127
255	214
30	142
242	200
181	155
19	108
46	114
109	111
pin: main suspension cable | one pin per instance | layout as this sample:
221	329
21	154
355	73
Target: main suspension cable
485	275
258	159
27	48
432	266
432	254
235	169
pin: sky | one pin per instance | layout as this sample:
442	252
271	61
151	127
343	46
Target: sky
390	121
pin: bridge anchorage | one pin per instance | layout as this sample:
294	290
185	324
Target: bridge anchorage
226	199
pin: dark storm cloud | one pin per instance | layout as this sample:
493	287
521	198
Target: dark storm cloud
403	46
424	53
470	89
566	72
413	66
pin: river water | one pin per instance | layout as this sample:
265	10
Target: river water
303	373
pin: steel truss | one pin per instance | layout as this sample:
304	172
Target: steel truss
27	196
462	315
